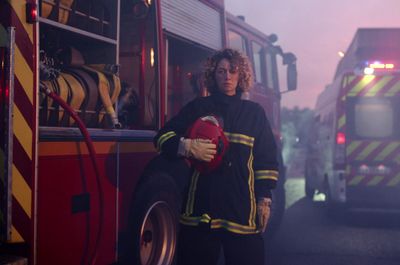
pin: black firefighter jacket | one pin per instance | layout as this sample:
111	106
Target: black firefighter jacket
226	198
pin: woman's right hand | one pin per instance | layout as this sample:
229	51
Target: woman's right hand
200	149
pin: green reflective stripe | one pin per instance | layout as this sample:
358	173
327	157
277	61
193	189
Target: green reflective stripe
164	138
267	174
191	194
240	138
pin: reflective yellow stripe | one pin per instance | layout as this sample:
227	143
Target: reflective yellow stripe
218	223
394	181
15	235
378	86
361	85
24	74
267	174
394	90
342	121
191	193
356	180
350	79
22	131
350	149
375	181
164	138
240	138
20	10
233	227
371	147
385	152
190	220
21	191
253	212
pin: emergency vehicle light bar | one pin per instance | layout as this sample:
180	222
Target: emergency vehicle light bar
381	66
371	67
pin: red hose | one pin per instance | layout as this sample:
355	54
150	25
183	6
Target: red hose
92	153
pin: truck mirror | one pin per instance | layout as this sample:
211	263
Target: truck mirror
291	76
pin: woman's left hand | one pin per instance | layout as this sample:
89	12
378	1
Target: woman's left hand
263	213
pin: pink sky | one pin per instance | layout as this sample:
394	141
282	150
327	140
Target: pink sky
315	30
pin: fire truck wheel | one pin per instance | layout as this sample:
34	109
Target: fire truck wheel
154	221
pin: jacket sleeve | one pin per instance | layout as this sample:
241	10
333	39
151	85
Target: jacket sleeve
167	139
265	163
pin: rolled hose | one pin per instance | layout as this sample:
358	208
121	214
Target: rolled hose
92	258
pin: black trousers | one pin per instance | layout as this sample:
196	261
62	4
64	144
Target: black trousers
202	246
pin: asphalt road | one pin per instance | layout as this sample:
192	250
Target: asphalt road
309	236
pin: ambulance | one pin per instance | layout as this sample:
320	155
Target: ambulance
353	154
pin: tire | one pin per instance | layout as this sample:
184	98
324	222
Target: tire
153	224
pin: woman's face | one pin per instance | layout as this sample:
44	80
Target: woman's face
227	77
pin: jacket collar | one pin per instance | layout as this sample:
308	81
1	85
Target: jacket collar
226	99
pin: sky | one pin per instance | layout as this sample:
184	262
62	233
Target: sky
315	31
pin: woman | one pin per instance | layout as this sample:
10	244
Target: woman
227	208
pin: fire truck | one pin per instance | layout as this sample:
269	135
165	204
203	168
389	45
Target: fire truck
84	87
354	150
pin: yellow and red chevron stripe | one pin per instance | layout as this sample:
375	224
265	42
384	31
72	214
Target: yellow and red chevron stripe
365	86
371	86
369	152
354	178
12	14
373	153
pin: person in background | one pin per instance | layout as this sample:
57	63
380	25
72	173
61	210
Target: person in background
229	207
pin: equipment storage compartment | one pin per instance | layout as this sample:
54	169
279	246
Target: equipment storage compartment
94	16
78	61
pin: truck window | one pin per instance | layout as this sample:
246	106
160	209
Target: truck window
372	118
237	41
271	67
257	64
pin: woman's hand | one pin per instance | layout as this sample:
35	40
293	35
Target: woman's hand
200	149
263	213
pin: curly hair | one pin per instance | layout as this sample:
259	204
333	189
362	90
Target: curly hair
236	59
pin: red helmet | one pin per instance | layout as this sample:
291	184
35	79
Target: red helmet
208	127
